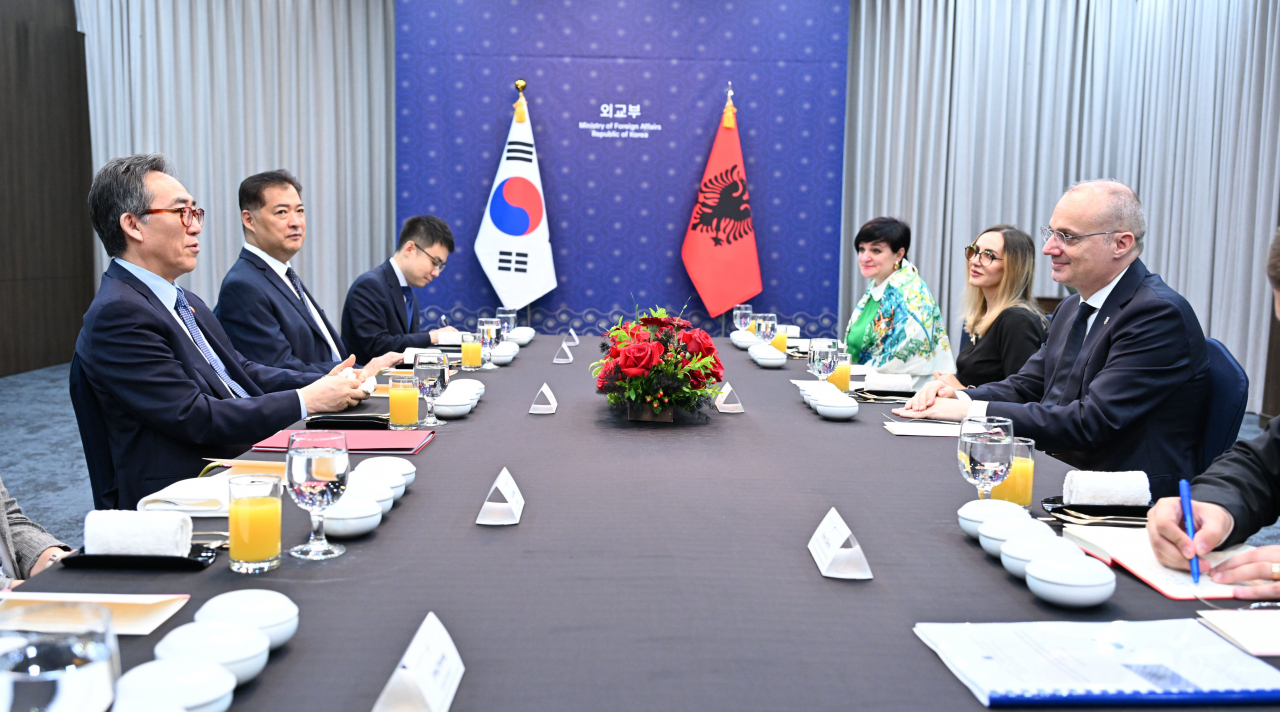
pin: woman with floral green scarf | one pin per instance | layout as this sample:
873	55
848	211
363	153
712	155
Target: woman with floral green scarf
897	326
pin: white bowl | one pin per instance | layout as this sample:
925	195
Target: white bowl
450	411
366	489
238	647
193	685
764	350
134	704
468	383
522	334
356	514
387	479
501	359
1019	550
743	339
271	612
840	407
977	511
399	465
507	348
993	533
1072	581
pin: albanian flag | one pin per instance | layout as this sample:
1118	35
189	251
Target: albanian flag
720	247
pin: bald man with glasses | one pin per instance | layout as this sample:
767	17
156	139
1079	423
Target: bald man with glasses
1122	383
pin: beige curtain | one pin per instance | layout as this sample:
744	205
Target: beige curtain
230	88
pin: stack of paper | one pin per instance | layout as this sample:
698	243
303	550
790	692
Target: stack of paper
1255	632
929	429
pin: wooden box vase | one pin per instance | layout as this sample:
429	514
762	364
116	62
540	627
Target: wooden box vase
644	412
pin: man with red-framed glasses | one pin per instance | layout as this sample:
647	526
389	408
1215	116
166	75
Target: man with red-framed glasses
156	383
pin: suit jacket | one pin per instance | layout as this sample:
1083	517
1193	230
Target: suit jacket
374	320
1245	481
1137	393
267	322
21	540
163	405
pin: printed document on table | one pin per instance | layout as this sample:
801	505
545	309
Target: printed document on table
936	430
1131	548
1016	664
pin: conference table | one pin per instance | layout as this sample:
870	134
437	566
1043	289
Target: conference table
656	566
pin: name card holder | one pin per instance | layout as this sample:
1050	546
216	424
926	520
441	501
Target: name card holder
572	339
564	355
727	401
836	551
504	504
428	675
545	402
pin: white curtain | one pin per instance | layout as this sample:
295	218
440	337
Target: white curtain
967	113
231	88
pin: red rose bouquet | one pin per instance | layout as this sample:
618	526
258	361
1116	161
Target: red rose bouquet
658	362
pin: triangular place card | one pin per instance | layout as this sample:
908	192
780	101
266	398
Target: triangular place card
545	402
572	339
564	355
506	507
428	675
728	401
836	551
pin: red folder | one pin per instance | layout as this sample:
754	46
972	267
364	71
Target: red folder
371	442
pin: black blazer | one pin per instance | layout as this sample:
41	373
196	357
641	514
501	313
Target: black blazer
374	320
163	405
1137	393
1245	481
267	322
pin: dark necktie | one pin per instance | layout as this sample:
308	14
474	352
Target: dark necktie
1070	352
408	305
297	287
189	318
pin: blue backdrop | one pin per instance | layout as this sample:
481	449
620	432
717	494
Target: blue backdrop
618	208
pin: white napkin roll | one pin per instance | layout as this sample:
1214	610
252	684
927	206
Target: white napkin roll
121	531
1122	488
198	496
899	382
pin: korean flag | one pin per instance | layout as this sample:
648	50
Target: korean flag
514	245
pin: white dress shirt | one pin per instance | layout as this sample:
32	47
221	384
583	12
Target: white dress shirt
167	293
978	409
280	268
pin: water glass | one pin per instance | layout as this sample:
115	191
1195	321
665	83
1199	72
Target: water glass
507	316
766	326
742	316
432	374
823	361
985	452
489	332
402	397
316	471
76	667
254	523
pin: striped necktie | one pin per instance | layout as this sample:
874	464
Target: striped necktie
189	318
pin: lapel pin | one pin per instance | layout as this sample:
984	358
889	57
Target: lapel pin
1104	321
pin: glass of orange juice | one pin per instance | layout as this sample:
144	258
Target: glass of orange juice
403	395
471	358
1016	487
254	523
840	378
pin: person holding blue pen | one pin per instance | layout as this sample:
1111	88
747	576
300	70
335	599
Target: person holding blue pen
1238	495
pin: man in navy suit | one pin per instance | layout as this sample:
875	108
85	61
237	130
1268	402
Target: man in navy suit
169	386
266	310
381	313
1123	381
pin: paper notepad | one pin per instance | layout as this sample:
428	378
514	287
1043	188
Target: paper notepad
1121	662
427	677
504	504
1256	632
933	430
130	614
1130	547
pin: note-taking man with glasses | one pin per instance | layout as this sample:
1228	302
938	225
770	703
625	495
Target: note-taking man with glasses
164	380
1122	382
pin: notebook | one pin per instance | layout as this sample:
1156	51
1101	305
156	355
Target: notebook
1131	548
1256	632
368	442
1118	663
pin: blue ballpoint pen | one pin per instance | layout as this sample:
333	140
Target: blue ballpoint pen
1184	489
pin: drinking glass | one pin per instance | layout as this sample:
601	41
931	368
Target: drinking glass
254	523
402	395
1016	487
742	316
73	669
432	374
471	359
489	332
766	326
985	452
316	474
825	360
841	376
507	316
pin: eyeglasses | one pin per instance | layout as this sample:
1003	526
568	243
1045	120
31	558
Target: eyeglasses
185	213
985	257
1048	234
439	264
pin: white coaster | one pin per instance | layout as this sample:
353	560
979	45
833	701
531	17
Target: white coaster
728	401
572	339
504	504
428	675
545	402
564	355
836	551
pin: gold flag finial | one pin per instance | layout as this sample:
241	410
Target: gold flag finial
520	85
521	116
729	121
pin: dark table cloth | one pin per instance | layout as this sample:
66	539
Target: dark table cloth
656	566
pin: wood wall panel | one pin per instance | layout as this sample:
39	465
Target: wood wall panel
46	240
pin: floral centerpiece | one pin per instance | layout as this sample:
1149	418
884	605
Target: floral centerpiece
655	364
